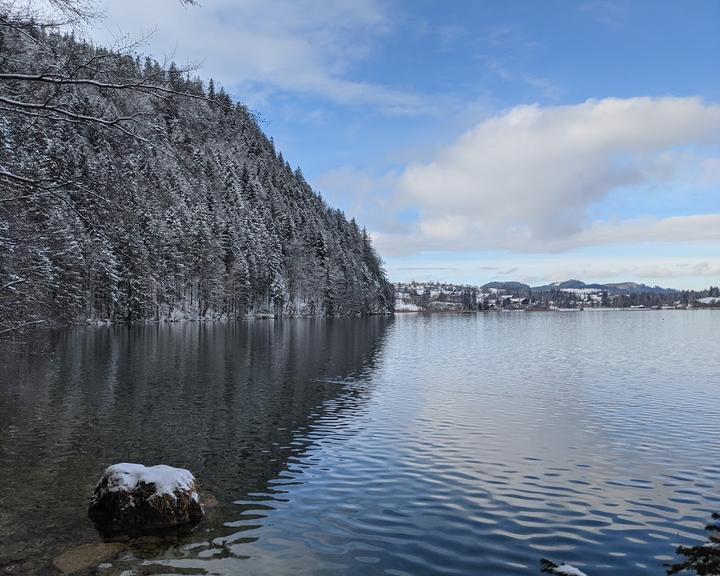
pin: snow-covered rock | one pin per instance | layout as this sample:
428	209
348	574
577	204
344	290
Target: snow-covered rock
132	499
568	570
550	567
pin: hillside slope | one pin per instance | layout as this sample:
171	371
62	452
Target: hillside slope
189	213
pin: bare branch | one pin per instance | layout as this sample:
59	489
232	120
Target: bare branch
22	179
68	113
140	86
10	285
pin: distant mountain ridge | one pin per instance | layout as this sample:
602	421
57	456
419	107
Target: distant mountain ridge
610	288
505	286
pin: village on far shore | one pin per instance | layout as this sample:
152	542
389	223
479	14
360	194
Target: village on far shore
569	295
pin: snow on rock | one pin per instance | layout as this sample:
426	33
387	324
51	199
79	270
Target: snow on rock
549	567
133	500
166	479
568	570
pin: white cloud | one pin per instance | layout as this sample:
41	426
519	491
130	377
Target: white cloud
709	172
671	271
364	196
671	230
298	46
524	180
655	270
699	228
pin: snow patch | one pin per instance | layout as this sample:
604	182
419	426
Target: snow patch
125	477
709	301
568	570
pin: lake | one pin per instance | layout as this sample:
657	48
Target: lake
419	444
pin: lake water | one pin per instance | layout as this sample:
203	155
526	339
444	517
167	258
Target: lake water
442	444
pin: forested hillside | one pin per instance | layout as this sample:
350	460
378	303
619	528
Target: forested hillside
130	191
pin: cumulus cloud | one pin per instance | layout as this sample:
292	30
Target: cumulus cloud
670	271
526	179
709	172
298	46
363	196
661	270
674	229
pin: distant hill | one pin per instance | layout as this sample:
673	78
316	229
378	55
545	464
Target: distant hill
509	286
611	288
634	287
570	284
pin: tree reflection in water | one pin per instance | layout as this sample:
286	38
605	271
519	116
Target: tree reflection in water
703	559
235	403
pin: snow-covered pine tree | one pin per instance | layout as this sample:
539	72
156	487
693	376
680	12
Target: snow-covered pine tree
164	205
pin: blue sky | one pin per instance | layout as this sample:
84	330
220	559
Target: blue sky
478	140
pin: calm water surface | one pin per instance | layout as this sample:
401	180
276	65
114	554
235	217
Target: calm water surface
444	444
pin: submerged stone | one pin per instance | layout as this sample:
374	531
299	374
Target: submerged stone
134	500
209	501
87	556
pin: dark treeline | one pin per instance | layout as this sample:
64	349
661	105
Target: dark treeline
131	191
620	299
515	295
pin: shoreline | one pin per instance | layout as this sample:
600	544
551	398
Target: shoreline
44	326
546	310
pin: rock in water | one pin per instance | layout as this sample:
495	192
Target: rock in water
134	500
82	558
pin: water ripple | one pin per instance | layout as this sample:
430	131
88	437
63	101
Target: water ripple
428	445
